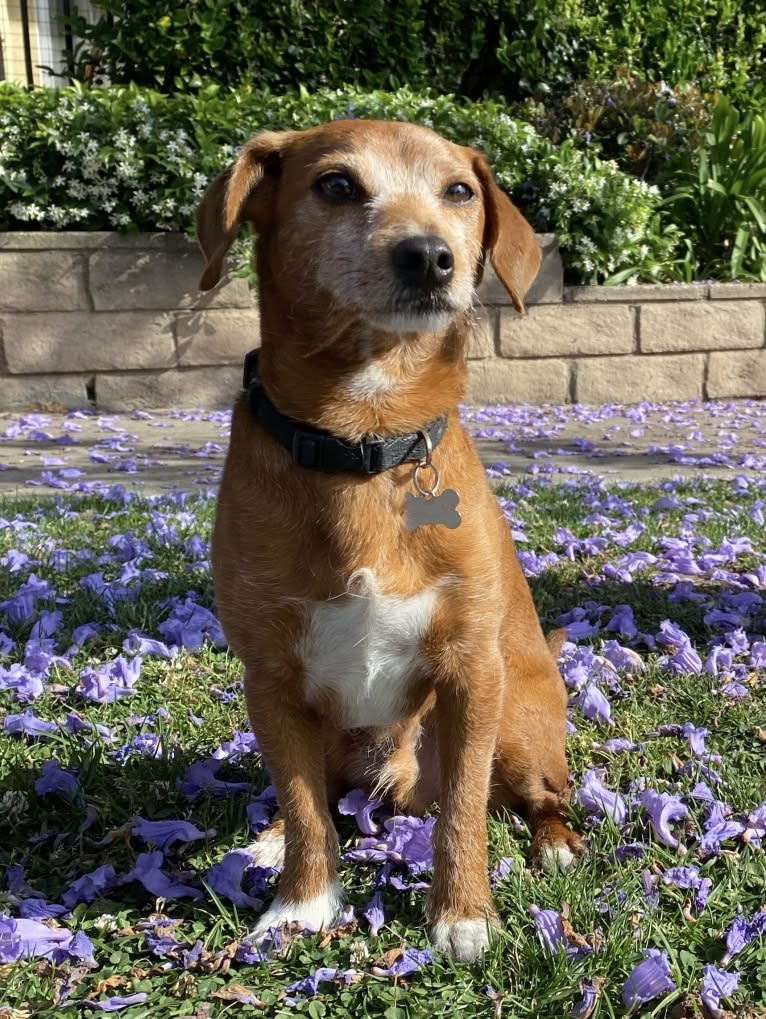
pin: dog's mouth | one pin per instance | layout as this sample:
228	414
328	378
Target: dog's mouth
430	312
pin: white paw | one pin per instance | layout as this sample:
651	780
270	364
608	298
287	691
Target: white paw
556	858
464	940
319	913
268	850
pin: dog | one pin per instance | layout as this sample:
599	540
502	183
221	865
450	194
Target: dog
363	571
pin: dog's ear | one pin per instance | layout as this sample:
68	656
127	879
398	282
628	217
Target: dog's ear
508	238
244	192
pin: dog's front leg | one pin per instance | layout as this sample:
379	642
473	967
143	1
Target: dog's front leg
460	905
293	749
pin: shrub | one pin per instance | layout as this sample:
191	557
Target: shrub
505	48
721	204
133	159
648	128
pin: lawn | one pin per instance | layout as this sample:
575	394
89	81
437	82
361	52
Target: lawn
130	786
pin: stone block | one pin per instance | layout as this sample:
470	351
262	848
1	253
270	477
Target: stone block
42	281
162	280
94	240
43	392
641	292
547	287
568	331
191	387
533	381
216	337
736	373
707	325
737	291
632	379
88	341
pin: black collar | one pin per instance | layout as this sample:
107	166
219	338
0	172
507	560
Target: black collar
320	450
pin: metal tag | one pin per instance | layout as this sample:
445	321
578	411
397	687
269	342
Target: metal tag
432	509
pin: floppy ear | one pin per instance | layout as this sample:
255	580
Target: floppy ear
244	192
508	238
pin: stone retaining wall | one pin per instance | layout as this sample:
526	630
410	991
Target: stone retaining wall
117	322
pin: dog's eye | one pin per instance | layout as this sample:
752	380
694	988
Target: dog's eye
337	187
458	193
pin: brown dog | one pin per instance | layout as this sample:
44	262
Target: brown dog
388	634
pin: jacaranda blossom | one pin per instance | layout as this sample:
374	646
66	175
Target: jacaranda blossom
648	980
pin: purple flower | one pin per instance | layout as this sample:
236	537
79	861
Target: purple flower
90	886
118	1002
682	657
690	878
163	834
648	980
110	682
663	808
226	877
593	704
74	724
716	984
54	779
309	985
500	870
550	929
373	913
201	777
148	871
358	804
718	828
189	625
39	909
139	643
29	724
741	933
21	939
590	991
756	825
410	960
405	840
600	801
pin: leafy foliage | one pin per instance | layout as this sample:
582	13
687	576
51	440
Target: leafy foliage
134	159
721	204
647	127
503	48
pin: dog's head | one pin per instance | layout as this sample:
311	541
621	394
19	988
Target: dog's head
382	220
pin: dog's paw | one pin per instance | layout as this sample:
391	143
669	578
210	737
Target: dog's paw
268	850
464	940
551	858
316	914
554	845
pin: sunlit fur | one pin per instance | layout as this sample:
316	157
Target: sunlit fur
410	663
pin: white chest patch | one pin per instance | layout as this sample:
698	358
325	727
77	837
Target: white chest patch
369	382
364	646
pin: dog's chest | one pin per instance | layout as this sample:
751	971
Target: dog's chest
364	647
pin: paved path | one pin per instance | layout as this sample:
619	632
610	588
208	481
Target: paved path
45	453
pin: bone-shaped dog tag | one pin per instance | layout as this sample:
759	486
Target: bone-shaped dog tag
432	509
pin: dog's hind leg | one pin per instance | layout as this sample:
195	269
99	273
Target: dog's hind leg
530	773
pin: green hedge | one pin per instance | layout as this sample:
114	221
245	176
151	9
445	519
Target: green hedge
133	159
508	48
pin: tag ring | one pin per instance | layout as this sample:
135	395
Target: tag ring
426	464
428	490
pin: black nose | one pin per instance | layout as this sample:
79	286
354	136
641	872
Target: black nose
425	262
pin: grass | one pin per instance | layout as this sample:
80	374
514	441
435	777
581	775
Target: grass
200	693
